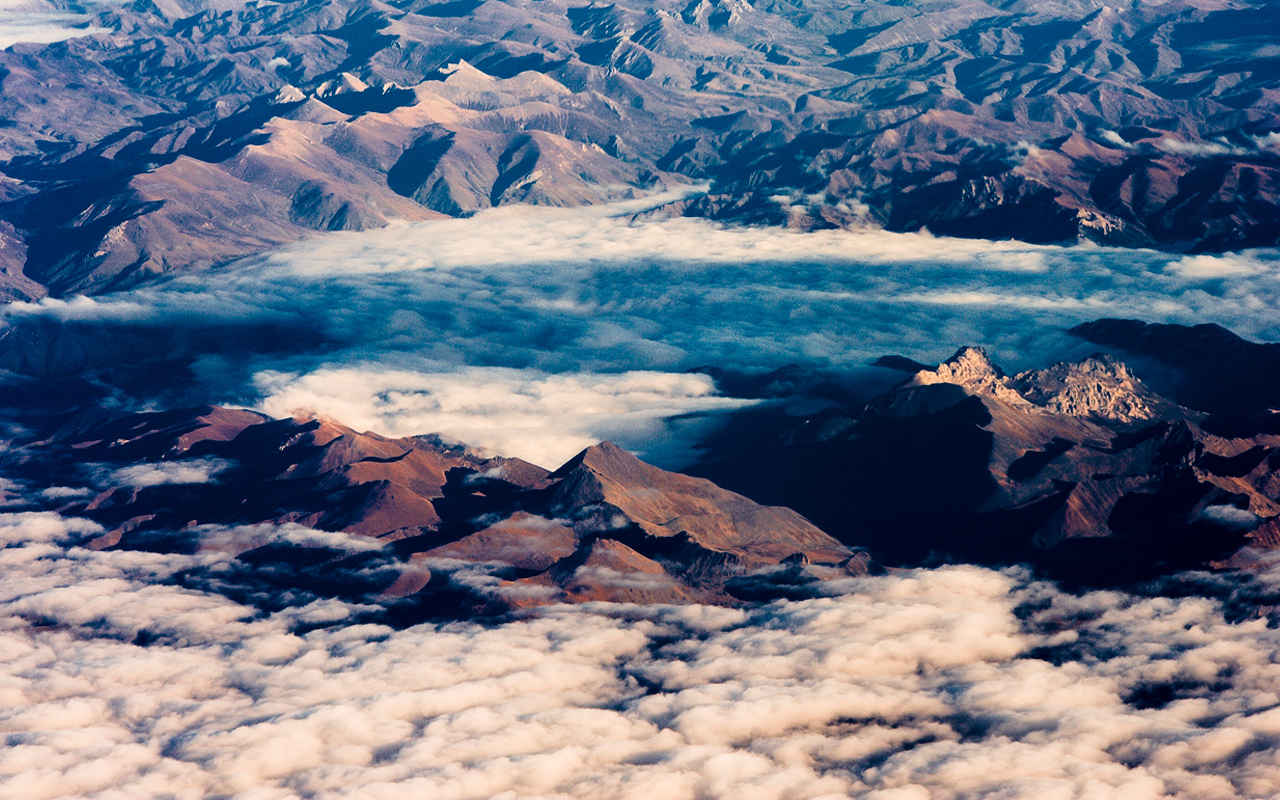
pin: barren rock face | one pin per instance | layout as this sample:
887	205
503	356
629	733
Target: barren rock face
972	369
1102	388
194	132
1208	367
1079	468
605	526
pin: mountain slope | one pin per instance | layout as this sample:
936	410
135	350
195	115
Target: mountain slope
412	517
1079	469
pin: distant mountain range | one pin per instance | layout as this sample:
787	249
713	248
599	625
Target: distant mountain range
197	132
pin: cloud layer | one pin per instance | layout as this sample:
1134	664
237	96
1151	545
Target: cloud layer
541	418
524	299
141	476
598	288
955	682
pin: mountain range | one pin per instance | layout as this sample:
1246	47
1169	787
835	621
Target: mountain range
429	520
180	135
188	134
607	399
1081	470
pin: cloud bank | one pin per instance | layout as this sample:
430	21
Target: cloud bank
947	683
541	418
600	288
141	476
574	295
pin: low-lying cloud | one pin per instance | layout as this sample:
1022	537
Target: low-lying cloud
573	295
600	289
945	683
141	476
541	418
41	22
529	236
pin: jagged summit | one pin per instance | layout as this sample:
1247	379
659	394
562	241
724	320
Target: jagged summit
974	360
972	369
1099	387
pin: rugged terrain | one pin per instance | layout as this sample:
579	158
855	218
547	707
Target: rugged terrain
1080	468
453	532
192	132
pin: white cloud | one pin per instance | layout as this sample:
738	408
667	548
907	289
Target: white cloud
141	476
1114	138
541	418
947	683
1231	516
40	22
521	237
1211	267
217	541
1179	147
1029	302
42	526
1268	141
600	291
65	492
75	308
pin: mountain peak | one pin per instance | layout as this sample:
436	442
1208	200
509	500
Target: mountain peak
609	448
666	504
462	73
972	360
972	369
289	94
343	84
1100	386
605	458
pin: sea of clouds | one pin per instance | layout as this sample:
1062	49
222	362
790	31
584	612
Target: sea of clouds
533	332
118	681
572	318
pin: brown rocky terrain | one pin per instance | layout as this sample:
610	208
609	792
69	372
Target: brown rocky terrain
1083	470
430	519
1079	468
193	132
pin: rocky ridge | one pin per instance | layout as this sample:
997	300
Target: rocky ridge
1100	387
1080	469
427	522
